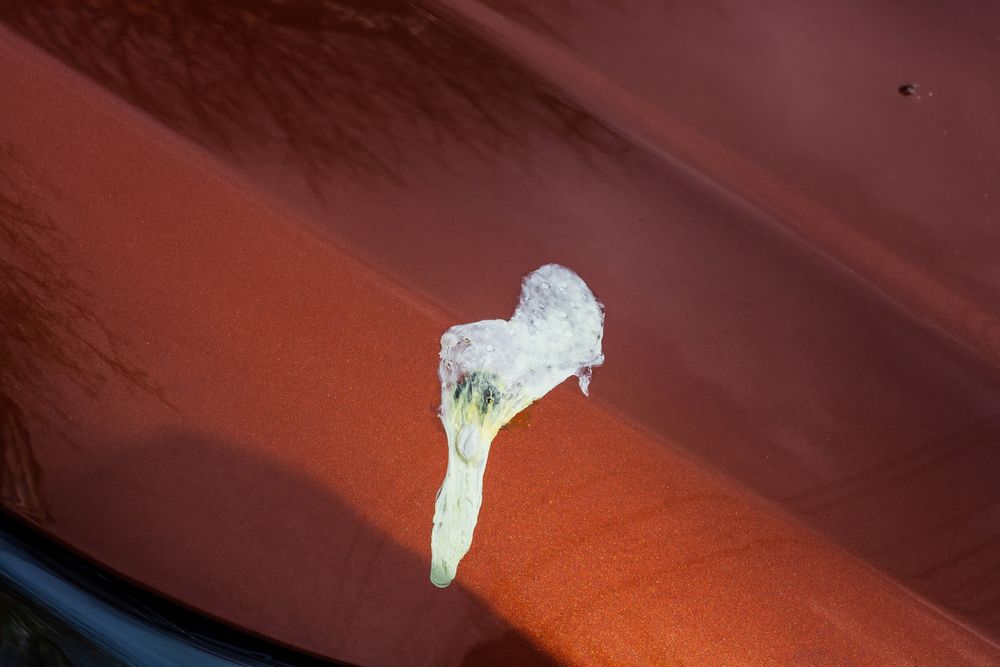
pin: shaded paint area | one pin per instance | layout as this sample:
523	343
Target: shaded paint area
236	279
357	87
792	108
20	474
58	610
47	329
48	323
283	554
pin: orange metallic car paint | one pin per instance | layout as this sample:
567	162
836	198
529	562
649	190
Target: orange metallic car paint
262	314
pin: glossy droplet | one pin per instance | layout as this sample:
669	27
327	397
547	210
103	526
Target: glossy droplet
468	443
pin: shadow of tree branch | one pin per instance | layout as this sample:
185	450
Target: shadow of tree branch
46	327
332	83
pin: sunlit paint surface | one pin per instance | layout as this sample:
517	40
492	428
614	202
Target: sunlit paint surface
250	257
490	371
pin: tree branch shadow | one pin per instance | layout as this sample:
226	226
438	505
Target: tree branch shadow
326	84
47	329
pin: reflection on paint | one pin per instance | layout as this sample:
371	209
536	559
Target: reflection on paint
490	371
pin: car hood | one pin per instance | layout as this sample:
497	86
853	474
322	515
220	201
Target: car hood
234	235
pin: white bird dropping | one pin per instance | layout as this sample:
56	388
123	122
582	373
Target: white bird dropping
490	371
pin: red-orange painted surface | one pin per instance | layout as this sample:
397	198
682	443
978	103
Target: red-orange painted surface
251	227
